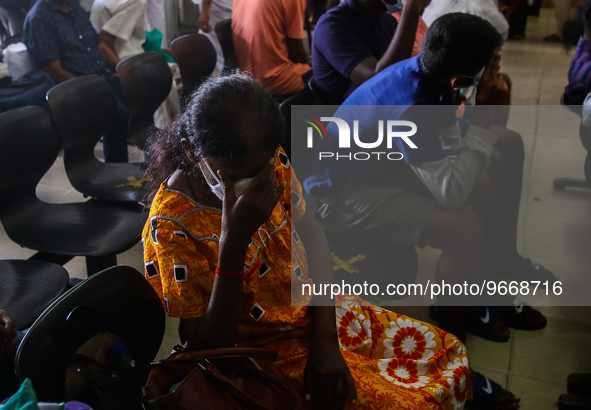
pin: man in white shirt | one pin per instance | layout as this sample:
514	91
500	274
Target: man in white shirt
211	13
121	27
120	24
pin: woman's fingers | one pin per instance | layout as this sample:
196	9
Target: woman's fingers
228	186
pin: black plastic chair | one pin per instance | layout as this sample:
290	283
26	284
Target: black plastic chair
95	229
12	18
118	300
305	97
83	108
223	30
196	58
146	80
561	184
28	287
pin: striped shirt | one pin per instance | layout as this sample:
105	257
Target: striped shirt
579	75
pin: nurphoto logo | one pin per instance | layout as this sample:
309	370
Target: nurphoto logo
386	132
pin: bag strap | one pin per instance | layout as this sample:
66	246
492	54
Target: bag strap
210	370
220	353
201	358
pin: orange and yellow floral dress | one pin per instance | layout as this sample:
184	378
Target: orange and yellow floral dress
396	362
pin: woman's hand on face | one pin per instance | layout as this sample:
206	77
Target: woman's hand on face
242	216
327	379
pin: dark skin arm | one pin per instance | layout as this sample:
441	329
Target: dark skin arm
241	217
296	51
205	16
327	380
400	47
107	49
54	67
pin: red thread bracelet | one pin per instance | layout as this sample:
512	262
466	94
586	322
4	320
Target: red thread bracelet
233	275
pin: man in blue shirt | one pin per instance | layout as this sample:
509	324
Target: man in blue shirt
357	39
60	38
423	199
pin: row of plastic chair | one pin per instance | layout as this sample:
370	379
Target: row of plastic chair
82	109
95	229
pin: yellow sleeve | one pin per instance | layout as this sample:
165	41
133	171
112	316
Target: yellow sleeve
179	268
293	196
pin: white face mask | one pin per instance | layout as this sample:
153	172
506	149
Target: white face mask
239	186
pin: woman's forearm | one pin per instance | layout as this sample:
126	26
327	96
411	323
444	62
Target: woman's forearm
218	326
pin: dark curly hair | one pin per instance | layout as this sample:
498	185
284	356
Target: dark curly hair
458	43
224	117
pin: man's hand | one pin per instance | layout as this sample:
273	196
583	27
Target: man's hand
8	340
203	22
492	87
327	379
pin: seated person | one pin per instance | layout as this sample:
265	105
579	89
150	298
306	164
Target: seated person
218	250
579	74
495	12
424	199
211	12
61	40
268	43
356	40
121	28
9	341
120	24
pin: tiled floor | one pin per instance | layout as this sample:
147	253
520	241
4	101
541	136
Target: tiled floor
555	227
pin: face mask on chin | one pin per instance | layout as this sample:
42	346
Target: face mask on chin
239	186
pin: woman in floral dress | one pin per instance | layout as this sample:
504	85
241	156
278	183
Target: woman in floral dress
229	244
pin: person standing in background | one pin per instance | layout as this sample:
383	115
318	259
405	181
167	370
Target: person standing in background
563	11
